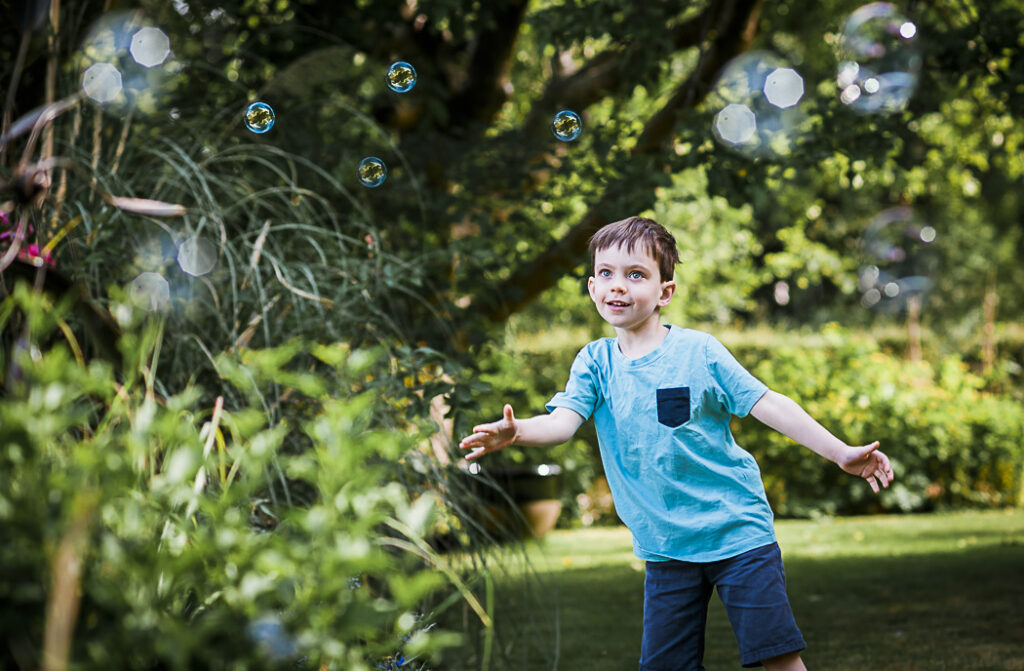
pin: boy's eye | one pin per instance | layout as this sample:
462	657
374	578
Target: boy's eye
604	273
636	275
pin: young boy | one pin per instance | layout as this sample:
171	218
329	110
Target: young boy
662	397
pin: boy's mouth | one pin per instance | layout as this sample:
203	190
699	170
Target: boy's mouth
617	304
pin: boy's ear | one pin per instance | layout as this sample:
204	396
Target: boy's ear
590	286
668	290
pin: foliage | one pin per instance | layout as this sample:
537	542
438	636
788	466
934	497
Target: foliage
951	444
139	532
954	436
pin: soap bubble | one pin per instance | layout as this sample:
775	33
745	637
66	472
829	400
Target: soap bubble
879	59
567	126
197	256
898	259
150	47
271	637
757	96
259	117
372	172
401	77
125	62
151	292
102	82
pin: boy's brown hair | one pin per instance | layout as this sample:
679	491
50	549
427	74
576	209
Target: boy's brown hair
649	234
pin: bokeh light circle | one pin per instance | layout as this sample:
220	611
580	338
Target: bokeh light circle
372	172
150	47
197	256
259	117
151	292
899	259
101	82
567	126
401	77
879	59
757	97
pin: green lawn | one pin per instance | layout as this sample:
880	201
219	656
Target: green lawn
899	593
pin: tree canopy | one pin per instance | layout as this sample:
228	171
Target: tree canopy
483	210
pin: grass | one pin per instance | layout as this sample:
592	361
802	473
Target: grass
941	591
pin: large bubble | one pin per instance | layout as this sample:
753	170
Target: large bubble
899	259
125	62
879	59
757	97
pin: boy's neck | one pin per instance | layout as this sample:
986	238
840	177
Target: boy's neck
643	341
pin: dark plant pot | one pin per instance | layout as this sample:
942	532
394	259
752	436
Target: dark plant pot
522	501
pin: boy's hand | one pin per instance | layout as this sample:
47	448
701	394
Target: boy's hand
869	463
491	437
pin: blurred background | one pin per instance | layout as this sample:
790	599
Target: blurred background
400	194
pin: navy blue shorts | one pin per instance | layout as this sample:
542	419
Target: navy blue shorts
752	586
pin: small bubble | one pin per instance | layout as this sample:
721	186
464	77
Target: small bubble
401	77
259	117
197	256
372	172
567	126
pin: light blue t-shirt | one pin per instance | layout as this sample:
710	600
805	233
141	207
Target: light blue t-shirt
680	482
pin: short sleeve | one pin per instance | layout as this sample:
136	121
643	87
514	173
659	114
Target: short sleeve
736	388
580	393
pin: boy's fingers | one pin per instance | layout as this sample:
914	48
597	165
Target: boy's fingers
507	411
478	452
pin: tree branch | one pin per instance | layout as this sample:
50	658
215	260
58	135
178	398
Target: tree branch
482	94
733	27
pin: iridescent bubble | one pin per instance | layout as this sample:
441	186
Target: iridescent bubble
898	259
259	117
151	292
150	47
758	96
125	63
567	126
372	172
102	82
879	59
197	256
401	77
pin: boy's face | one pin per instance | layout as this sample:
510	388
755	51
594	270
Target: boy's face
627	289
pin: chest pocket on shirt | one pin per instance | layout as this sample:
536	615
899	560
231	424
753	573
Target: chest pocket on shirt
673	406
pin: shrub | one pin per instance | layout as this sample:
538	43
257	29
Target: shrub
951	444
138	531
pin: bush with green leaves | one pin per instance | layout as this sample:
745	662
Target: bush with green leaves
951	443
136	531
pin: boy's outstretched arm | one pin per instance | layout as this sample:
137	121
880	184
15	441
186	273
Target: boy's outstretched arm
787	417
539	431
